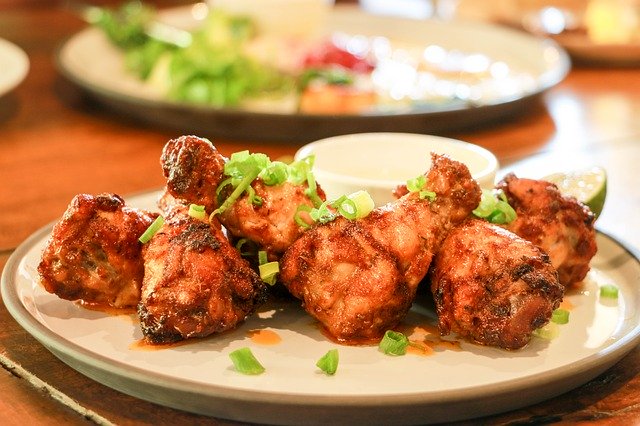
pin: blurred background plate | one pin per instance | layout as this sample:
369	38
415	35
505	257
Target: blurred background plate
14	65
88	60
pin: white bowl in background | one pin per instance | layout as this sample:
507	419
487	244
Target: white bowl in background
378	162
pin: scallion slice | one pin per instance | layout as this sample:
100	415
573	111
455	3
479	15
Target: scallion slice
495	208
363	203
197	212
268	270
245	362
560	316
609	291
547	332
393	343
329	362
151	230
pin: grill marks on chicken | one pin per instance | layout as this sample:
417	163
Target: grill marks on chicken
559	225
359	278
492	286
195	282
194	169
94	255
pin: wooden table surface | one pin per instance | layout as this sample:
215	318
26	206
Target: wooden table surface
55	143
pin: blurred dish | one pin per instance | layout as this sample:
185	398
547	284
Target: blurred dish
14	65
378	162
452	383
533	65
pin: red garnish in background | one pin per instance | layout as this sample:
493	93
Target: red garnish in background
328	54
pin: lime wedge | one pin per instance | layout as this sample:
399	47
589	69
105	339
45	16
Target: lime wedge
589	186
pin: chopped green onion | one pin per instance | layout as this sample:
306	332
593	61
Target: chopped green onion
312	190
547	332
268	270
151	230
363	203
245	362
237	192
329	362
427	195
246	247
197	212
609	291
560	316
495	208
416	184
299	170
393	343
323	214
298	217
275	173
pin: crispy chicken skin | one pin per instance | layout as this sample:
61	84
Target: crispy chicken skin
560	225
272	224
491	286
195	282
194	169
94	255
359	277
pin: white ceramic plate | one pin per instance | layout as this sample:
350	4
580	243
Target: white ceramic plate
89	60
14	65
368	388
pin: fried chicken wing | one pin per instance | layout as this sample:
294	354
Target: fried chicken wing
491	286
359	277
560	225
194	169
94	255
195	282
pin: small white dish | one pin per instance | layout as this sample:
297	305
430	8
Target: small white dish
14	65
378	162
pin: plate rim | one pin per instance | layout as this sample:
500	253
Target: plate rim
586	368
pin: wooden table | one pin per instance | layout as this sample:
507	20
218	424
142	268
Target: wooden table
54	143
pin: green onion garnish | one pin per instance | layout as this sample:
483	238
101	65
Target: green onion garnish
329	362
495	208
560	316
393	343
197	212
547	332
418	185
363	203
243	168
151	230
268	270
245	362
354	206
275	173
609	291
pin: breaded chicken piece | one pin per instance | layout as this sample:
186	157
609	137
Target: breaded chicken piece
271	225
558	224
93	254
195	282
359	277
491	286
194	170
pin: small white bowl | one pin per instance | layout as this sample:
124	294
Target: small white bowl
378	162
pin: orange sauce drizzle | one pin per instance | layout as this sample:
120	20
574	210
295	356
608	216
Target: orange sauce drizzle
264	337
